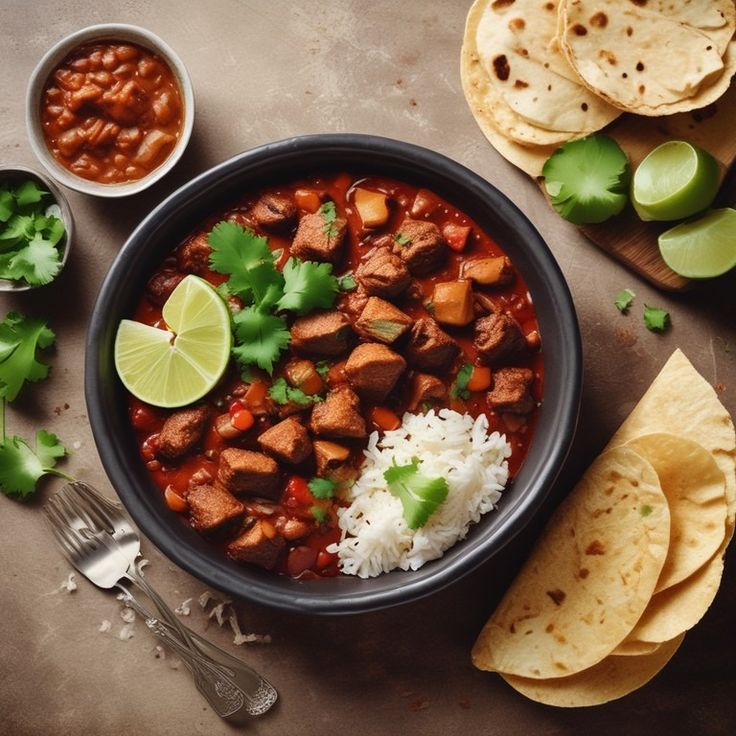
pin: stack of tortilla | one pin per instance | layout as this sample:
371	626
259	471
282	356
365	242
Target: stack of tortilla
632	558
537	74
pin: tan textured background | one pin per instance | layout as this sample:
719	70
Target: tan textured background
263	71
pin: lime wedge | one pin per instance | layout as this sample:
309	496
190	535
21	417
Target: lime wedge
178	366
674	181
702	248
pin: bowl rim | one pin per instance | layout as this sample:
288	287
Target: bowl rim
57	52
249	585
8	286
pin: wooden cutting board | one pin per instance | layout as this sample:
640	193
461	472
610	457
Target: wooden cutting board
626	237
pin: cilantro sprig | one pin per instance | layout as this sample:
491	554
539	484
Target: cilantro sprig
329	215
624	300
21	466
419	494
281	393
459	387
260	328
322	487
29	235
656	319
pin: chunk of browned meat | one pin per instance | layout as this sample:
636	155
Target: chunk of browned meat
421	245
181	432
373	369
430	348
250	473
511	390
339	415
160	286
321	334
260	545
498	337
383	274
288	441
425	387
316	240
274	211
382	321
211	506
194	255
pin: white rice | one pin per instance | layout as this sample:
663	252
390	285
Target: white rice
375	536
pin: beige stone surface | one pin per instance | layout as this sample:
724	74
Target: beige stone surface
264	71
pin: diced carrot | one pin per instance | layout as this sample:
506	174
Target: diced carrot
336	374
255	396
307	200
456	235
174	501
480	378
384	418
242	420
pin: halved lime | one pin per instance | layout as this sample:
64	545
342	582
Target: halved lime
180	365
702	248
674	181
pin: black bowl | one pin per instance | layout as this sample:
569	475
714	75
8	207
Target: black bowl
286	160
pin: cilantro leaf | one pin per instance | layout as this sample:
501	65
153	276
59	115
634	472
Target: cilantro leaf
402	239
460	385
308	285
38	263
322	487
20	337
329	215
656	319
347	282
281	393
323	368
266	283
319	514
261	337
419	495
21	467
236	250
624	300
29	193
18	229
6	205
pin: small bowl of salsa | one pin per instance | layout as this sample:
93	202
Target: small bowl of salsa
109	110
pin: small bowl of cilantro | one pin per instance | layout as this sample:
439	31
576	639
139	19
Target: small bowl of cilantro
36	229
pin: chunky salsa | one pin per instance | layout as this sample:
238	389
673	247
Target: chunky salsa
111	112
431	314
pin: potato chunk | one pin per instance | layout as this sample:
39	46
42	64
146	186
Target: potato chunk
372	207
453	302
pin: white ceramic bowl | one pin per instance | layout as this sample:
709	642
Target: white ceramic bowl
15	174
55	55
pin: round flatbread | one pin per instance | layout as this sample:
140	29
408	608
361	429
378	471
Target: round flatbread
695	489
532	95
680	607
654	58
635	648
588	579
609	680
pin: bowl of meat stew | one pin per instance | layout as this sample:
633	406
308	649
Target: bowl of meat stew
446	299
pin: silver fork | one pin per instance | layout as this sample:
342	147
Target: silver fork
100	542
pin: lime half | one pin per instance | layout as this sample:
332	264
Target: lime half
177	366
674	181
703	248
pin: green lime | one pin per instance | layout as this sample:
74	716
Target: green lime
674	181
177	366
702	248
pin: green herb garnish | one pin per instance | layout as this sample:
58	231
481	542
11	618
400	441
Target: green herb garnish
260	337
323	368
402	239
319	514
587	179
308	286
420	495
21	467
347	282
459	387
322	487
281	393
29	235
645	509
656	319
329	215
624	300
